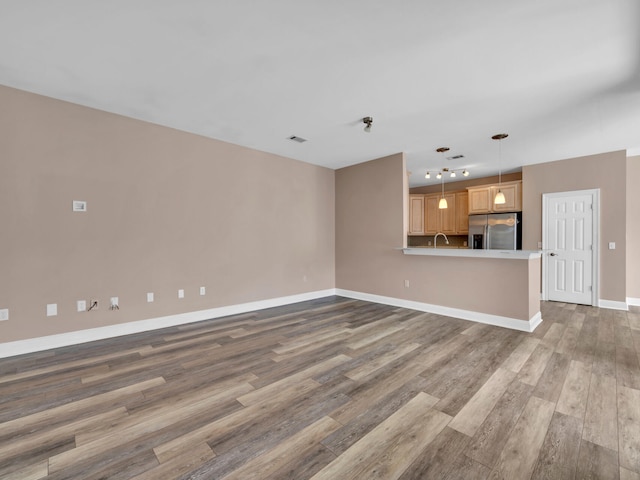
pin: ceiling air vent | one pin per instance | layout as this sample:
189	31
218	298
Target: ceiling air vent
297	139
455	157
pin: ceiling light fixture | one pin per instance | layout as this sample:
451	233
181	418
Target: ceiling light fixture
442	204
453	174
428	175
367	121
465	173
499	199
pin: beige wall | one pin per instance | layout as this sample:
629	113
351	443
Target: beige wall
167	210
604	171
369	231
633	227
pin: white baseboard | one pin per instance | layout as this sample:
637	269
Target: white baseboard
38	344
613	305
633	301
31	345
507	322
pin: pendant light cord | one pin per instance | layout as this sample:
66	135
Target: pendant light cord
499	163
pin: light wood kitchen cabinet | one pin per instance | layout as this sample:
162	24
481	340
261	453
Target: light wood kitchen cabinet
416	215
440	220
512	195
462	212
481	198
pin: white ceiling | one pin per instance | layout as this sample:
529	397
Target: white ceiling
562	77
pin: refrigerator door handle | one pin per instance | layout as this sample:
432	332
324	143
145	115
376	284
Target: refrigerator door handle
486	244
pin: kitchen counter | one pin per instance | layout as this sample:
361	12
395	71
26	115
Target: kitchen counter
470	253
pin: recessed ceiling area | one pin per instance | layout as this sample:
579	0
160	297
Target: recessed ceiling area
561	77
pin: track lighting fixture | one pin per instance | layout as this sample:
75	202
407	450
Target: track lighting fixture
428	175
367	121
465	173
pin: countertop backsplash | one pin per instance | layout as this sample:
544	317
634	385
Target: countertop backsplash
455	241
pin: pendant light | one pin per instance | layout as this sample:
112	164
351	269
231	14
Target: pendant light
499	199
442	204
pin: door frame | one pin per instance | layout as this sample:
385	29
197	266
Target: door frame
595	236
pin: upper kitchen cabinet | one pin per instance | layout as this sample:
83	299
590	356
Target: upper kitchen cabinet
416	215
462	212
481	198
440	220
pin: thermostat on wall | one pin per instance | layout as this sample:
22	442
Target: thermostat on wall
79	206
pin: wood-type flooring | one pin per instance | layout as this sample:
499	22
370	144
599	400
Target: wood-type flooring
333	389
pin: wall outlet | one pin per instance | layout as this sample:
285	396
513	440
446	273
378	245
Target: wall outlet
181	293
81	305
52	309
114	301
4	314
612	245
464	244
203	291
149	297
406	284
429	243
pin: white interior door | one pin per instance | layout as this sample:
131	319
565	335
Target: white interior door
570	246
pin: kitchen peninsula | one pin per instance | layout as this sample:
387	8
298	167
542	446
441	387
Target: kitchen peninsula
498	287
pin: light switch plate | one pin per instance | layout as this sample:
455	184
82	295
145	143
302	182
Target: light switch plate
4	314
52	309
181	293
79	206
81	305
203	291
149	297
612	245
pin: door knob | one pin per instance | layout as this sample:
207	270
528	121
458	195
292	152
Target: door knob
553	254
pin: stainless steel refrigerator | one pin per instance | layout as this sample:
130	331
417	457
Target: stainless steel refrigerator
496	231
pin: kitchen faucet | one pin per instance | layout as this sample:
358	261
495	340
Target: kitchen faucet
435	239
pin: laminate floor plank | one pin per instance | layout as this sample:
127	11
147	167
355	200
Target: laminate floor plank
278	457
36	471
559	453
476	410
595	461
551	381
332	388
381	453
627	367
490	438
435	461
535	365
351	432
629	428
601	416
520	453
575	391
628	474
521	354
604	359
